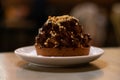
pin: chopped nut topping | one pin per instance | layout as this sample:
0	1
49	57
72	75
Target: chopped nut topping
62	31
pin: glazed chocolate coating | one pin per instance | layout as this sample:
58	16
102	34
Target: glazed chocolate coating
62	31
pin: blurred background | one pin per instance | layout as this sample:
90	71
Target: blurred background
20	20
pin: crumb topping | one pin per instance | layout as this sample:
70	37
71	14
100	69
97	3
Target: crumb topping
62	31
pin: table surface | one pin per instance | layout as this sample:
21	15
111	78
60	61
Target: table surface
107	67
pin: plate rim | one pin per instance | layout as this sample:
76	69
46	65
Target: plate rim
16	51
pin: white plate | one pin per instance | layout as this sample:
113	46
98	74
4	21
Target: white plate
29	54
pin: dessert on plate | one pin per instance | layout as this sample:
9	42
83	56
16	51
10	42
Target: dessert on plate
62	36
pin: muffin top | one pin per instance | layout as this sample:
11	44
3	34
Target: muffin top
62	32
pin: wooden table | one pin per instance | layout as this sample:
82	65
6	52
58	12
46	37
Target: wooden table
107	67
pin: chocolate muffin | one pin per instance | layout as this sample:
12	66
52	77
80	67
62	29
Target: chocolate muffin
62	36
